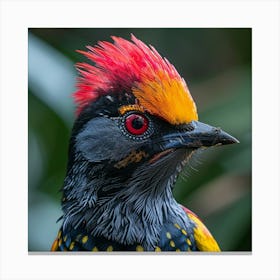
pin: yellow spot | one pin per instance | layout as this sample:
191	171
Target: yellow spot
127	108
177	226
71	246
189	242
59	234
139	248
168	235
178	250
60	242
65	238
85	239
95	249
110	248
166	97
157	249
184	232
172	244
133	156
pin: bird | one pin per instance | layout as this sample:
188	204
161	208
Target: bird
136	128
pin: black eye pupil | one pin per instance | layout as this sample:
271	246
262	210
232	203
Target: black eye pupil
137	123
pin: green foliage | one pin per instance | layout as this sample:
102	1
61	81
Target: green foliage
216	64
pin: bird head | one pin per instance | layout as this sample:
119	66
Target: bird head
136	127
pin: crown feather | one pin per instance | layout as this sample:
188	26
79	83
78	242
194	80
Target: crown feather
134	67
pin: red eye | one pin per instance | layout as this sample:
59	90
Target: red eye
136	124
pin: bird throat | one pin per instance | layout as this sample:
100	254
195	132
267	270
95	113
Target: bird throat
128	213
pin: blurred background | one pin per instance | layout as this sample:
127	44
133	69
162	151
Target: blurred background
216	64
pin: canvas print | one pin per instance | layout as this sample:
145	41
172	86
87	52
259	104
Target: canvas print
139	140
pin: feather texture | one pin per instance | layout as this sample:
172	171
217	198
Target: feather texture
133	66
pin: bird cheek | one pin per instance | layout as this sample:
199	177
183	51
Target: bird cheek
102	140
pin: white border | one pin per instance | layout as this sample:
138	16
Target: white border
17	16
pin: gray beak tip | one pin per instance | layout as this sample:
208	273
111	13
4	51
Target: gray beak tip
226	139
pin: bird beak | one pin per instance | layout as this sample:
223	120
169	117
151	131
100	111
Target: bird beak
202	135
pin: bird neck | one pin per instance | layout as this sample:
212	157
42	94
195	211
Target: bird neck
126	212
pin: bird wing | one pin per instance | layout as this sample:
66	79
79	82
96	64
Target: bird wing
55	246
204	239
67	241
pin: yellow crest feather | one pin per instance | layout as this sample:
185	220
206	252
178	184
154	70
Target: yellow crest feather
168	98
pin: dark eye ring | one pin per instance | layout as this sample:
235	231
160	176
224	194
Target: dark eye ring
136	125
